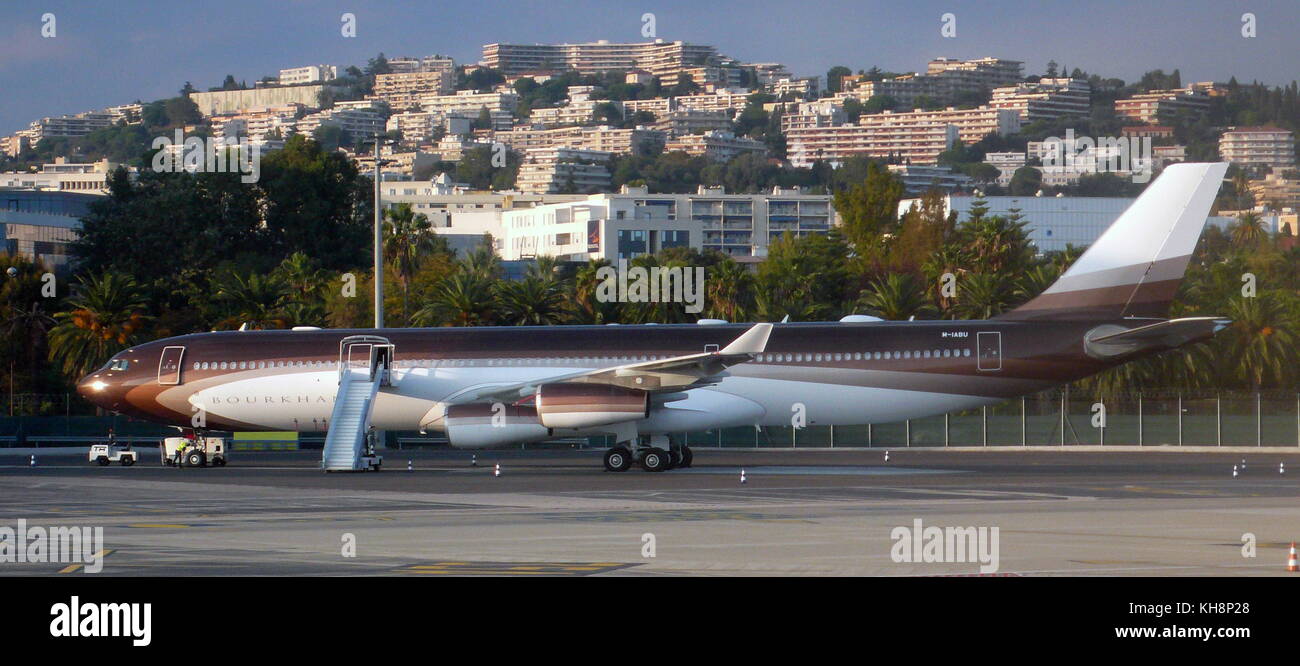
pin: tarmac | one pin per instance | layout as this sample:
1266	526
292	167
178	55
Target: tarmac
558	513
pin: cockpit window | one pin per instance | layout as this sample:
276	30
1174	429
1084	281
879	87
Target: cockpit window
119	364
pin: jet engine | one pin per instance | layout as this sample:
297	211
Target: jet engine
483	425
589	405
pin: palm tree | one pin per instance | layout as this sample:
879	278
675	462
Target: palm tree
106	315
532	301
587	308
896	297
465	299
301	277
981	296
256	298
409	238
1035	281
1260	338
729	289
1248	231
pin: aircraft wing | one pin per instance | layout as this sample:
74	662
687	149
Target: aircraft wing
658	376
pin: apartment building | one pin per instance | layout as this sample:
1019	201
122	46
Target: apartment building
666	60
634	222
41	225
257	124
434	63
126	113
657	106
690	121
64	176
1258	147
358	123
471	103
945	79
715	145
564	170
972	124
579	112
884	137
403	91
721	100
309	74
805	87
802	115
1276	191
1007	163
79	124
15	144
640	141
1045	99
1154	106
917	179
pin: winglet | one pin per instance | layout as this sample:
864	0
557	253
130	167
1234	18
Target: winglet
753	341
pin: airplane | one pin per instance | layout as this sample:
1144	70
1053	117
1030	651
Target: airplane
498	386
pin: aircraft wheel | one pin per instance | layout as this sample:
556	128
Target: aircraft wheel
655	460
688	456
194	459
618	459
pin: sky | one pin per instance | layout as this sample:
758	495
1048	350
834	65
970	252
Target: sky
109	53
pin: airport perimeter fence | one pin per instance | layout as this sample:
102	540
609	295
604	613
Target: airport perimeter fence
1052	418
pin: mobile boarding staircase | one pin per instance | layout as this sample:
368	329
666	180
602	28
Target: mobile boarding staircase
365	363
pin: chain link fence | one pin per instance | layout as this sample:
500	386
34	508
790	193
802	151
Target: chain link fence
1053	418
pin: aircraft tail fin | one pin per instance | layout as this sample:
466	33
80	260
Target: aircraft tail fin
1135	267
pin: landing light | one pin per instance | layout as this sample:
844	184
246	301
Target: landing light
98	385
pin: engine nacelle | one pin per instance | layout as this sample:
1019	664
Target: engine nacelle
483	425
589	405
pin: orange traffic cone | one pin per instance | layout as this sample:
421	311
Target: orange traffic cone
1291	564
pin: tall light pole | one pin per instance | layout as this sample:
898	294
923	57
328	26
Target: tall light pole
379	246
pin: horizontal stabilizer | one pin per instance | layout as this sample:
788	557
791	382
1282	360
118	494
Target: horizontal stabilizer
1111	341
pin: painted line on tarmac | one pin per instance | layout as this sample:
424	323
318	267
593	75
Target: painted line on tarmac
513	568
75	567
815	470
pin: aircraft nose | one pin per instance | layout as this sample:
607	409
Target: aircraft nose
95	388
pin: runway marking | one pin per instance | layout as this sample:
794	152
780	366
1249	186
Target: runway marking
514	568
815	470
161	526
74	567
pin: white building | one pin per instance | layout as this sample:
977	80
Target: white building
358	123
64	176
564	170
308	74
717	146
1046	99
1258	147
1052	222
917	179
634	222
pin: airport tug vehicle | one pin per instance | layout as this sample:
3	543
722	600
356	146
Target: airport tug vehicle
104	454
195	452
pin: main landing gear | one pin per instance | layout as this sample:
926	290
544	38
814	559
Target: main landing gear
656	454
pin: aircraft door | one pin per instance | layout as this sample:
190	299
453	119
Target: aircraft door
169	365
988	350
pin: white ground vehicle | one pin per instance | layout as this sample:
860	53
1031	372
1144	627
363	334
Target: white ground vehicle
199	452
105	454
